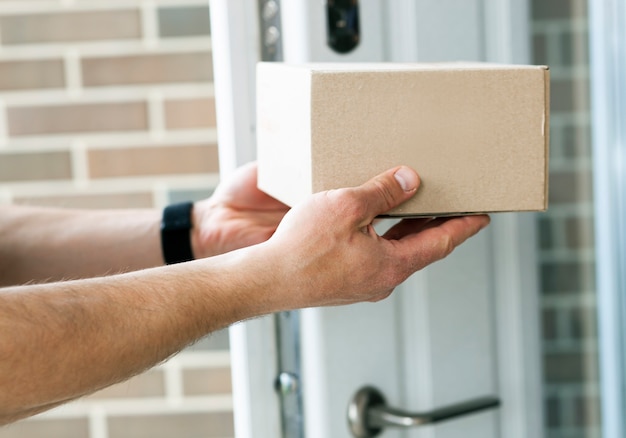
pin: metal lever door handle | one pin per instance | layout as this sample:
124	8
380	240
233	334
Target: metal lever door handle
369	415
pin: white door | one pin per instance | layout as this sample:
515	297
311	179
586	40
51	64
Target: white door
461	330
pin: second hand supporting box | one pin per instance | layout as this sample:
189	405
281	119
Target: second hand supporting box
476	133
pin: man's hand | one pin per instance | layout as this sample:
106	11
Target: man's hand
237	215
328	253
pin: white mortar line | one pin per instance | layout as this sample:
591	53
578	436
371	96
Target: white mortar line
108	186
160	197
149	24
98	426
21	6
156	115
80	168
107	48
73	73
125	93
174	392
6	197
114	140
3	124
142	406
213	359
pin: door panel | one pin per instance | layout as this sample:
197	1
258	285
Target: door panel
427	346
449	30
344	348
447	315
479	425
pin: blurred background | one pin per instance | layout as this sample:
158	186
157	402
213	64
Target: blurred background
109	104
560	30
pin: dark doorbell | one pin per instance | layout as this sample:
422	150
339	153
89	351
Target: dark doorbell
342	23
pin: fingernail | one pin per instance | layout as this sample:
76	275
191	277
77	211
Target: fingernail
406	178
486	222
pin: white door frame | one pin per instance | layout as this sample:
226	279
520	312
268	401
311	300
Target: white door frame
235	47
235	51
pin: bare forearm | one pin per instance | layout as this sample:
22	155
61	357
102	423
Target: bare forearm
39	244
59	341
64	340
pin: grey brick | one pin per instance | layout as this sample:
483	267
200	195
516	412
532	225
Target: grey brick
207	425
570	187
567	277
184	21
39	428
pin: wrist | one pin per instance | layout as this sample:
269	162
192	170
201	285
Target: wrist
202	222
242	284
267	279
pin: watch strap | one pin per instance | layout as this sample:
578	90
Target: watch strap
176	233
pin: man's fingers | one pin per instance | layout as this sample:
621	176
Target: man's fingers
387	190
432	244
406	227
240	190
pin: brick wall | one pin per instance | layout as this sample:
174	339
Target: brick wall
570	347
109	104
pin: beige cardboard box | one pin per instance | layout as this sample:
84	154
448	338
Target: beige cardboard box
476	133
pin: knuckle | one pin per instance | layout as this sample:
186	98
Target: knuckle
345	204
381	296
385	192
446	245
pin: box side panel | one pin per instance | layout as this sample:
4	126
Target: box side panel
283	132
477	137
547	137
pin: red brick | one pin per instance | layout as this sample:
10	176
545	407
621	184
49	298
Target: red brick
70	27
207	381
22	75
172	425
147	69
35	166
146	161
190	113
62	428
56	119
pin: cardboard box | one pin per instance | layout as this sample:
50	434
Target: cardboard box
476	133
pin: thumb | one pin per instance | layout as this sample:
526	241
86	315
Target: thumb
388	190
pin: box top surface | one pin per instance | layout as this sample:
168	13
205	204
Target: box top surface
338	67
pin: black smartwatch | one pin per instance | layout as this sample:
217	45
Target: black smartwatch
176	233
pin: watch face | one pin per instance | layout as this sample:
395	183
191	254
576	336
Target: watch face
175	233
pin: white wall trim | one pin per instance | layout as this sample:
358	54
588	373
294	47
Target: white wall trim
607	21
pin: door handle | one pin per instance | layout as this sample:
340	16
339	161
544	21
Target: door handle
369	415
